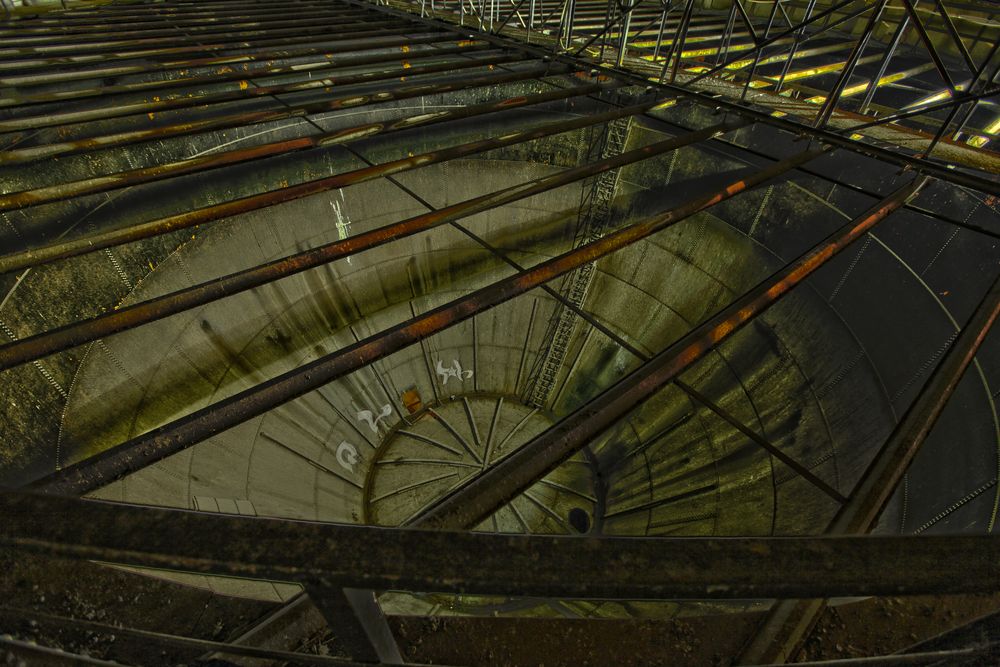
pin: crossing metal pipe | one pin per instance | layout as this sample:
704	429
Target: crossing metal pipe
96	184
148	448
482	495
122	319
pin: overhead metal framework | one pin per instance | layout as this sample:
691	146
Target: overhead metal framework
783	89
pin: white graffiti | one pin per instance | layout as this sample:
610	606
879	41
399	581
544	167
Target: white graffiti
454	371
343	220
370	418
347	455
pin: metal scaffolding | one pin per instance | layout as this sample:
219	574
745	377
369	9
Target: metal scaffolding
739	70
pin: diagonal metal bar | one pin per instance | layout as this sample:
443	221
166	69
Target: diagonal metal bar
160	639
741	10
677	43
771	40
955	37
200	216
823	115
929	45
788	622
724	414
357	622
959	99
603	567
239	60
800	32
510	15
225	120
325	84
182	433
887	55
608	27
758	53
162	171
763	442
927	167
476	499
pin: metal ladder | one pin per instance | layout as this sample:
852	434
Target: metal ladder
592	223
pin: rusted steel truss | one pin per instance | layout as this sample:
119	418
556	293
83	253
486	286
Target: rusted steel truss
678	53
74	48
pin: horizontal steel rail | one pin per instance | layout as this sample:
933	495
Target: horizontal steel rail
492	563
244	73
326	84
172	35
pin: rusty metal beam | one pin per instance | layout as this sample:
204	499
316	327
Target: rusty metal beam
179	30
148	448
122	179
60	62
787	624
325	84
147	22
86	244
491	563
30	47
224	121
62	75
696	395
245	73
122	15
884	473
158	639
129	317
483	494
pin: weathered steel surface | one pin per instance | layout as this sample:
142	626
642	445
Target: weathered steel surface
493	563
145	47
146	449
